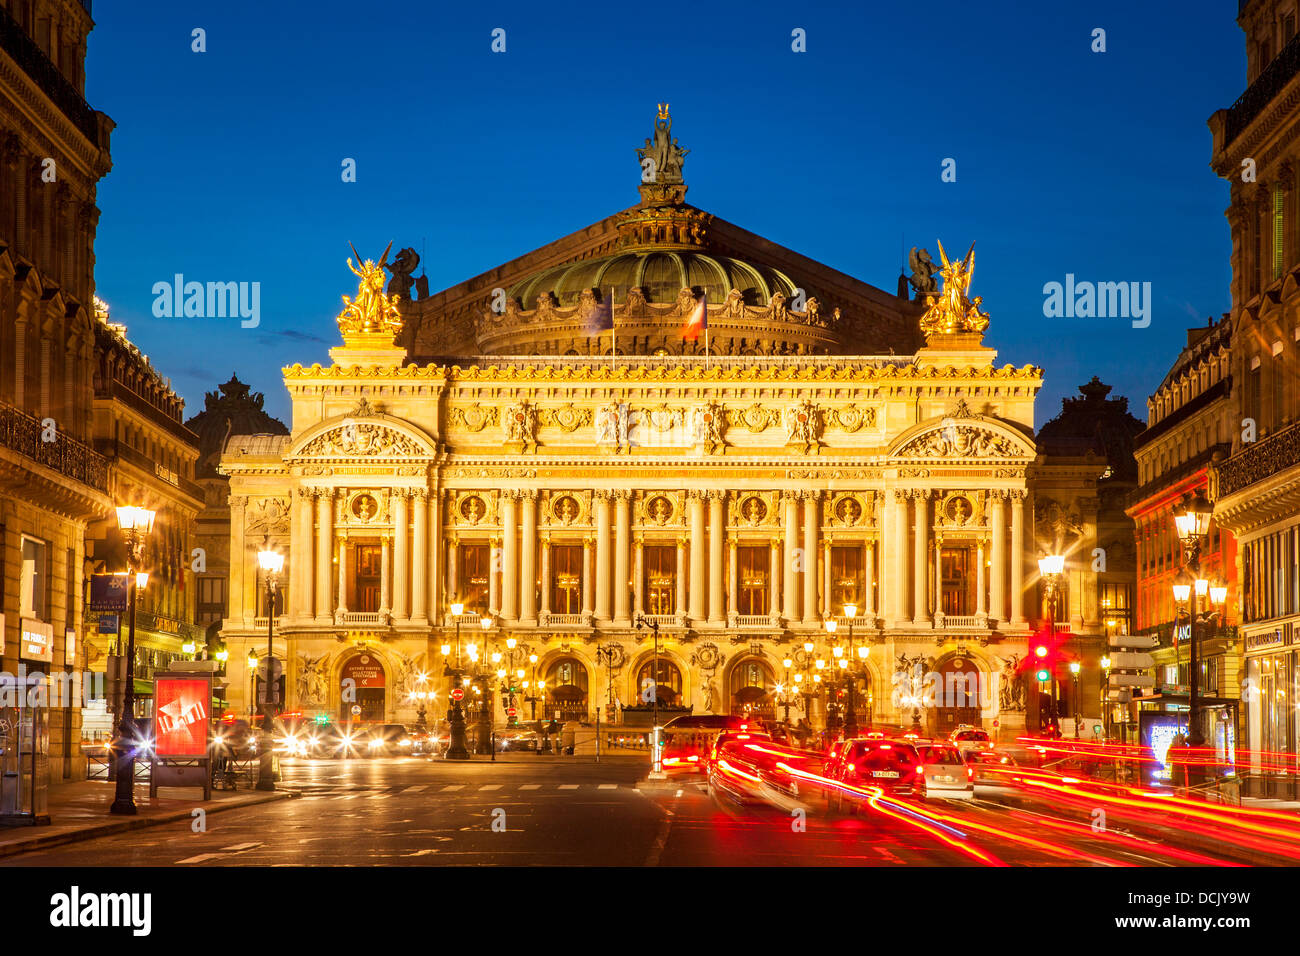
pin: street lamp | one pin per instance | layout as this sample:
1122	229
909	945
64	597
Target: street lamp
456	749
1075	667
485	705
271	563
136	524
656	771
1193	524
1051	567
850	714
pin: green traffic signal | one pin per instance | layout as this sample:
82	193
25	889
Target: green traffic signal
1044	675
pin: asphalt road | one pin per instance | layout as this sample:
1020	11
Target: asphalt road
545	811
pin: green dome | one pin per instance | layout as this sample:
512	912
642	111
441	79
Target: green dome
661	274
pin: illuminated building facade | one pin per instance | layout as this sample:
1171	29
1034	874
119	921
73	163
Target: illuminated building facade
490	446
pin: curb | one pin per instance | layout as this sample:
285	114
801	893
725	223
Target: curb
44	842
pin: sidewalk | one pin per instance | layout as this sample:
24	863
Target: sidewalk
79	811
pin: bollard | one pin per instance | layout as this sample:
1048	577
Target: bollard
494	746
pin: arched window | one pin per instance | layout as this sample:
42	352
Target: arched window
669	680
751	689
566	689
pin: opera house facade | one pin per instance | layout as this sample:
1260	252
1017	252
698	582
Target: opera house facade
667	510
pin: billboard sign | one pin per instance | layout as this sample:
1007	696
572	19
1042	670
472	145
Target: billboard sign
36	641
182	708
109	592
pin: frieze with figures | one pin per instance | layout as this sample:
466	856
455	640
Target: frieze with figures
362	440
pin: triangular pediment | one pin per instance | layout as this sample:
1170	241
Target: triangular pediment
962	437
371	437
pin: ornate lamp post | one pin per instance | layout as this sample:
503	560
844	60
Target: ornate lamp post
852	669
1075	667
784	690
1051	568
271	563
456	749
1105	698
531	692
657	770
1193	524
485	713
136	524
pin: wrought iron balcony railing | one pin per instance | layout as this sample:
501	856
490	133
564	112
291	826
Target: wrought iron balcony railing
1266	86
22	433
24	51
1257	461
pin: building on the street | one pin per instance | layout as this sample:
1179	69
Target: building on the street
231	410
1256	489
822	444
151	457
1080	490
54	149
1191	417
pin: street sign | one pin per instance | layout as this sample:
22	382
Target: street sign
510	712
109	592
276	669
1131	661
457	693
356	710
1132	680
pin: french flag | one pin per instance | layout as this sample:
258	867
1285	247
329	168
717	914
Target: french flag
698	320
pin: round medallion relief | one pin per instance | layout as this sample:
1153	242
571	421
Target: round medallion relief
364	507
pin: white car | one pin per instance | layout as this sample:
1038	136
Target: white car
967	738
943	771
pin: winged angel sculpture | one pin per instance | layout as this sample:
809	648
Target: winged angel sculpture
952	311
371	311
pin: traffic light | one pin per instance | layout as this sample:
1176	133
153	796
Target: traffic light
1043	675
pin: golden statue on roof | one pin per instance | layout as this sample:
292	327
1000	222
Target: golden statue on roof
371	311
951	311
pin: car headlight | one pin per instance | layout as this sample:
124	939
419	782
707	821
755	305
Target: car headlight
403	743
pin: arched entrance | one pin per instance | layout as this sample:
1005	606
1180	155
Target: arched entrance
566	690
957	695
362	689
750	690
668	682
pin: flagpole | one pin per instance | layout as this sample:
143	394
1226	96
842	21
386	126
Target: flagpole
613	345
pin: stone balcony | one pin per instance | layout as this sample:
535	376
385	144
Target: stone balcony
1256	461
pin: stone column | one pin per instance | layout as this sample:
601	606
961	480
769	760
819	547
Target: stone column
811	505
603	556
453	577
324	555
545	586
790	601
494	577
238	558
717	538
385	574
695	504
510	556
998	579
528	559
981	597
638	579
679	577
437	557
588	582
300	551
774	580
733	580
401	556
343	577
920	556
868	581
622	556
1018	559
938	576
419	559
898	567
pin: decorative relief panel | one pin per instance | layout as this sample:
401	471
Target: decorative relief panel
568	418
707	427
755	417
803	427
267	516
567	509
754	509
660	508
474	417
520	427
362	440
851	417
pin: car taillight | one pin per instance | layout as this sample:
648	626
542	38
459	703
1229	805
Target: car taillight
970	773
920	769
693	757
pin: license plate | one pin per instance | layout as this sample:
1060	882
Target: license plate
944	779
884	773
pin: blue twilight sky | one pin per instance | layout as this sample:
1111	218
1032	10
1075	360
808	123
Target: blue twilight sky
227	163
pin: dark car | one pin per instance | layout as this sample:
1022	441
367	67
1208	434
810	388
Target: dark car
989	766
234	739
869	764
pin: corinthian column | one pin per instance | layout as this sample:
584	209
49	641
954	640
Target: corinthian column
717	538
238	558
300	551
528	560
790	602
420	559
869	581
679	576
898	566
773	580
509	556
1018	559
545	613
638	579
920	555
385	574
981	597
733	576
998	582
622	554
324	555
401	557
603	556
695	505
811	505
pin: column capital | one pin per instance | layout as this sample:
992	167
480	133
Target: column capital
716	494
237	501
696	494
602	494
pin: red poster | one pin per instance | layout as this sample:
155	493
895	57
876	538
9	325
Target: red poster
365	670
181	712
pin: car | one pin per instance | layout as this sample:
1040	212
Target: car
967	738
944	773
729	737
234	739
988	765
891	765
519	739
386	740
685	742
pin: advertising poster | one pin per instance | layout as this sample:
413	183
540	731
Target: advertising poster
181	712
109	592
